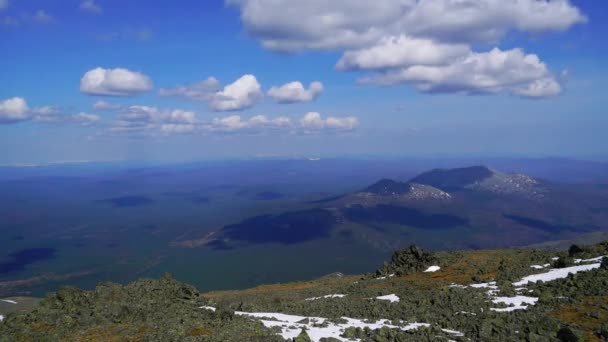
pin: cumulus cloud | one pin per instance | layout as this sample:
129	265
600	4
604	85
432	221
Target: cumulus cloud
393	52
295	92
14	110
313	121
91	6
234	123
488	72
114	82
155	115
310	123
86	119
318	24
201	91
243	93
103	105
405	40
47	114
147	120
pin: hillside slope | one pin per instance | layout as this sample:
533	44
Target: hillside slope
490	295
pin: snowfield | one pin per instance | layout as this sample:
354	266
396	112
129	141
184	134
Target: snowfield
9	301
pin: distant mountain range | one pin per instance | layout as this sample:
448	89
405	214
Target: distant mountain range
478	178
470	207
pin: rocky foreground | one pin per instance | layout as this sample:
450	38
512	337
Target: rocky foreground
493	295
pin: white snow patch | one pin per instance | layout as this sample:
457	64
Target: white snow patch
453	332
391	298
558	273
593	260
290	328
509	309
1	318
490	285
327	296
9	301
433	269
522	302
388	276
517	301
537	267
207	308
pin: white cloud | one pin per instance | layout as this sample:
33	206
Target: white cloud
146	120
47	114
310	123
3	4
103	105
155	115
14	110
295	92
313	121
91	6
86	119
488	72
490	20
393	52
177	128
348	123
114	82
257	123
46	110
201	91
424	42
42	16
242	94
319	24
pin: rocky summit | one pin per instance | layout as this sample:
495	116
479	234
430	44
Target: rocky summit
486	295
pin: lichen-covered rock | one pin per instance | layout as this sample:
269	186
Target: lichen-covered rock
145	310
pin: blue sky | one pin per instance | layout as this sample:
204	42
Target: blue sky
405	88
